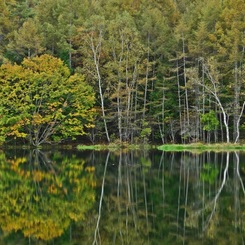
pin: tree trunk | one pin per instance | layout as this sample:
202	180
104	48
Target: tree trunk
146	77
179	100
236	102
96	56
185	83
214	92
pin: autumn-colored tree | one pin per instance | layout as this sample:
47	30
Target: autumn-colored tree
42	102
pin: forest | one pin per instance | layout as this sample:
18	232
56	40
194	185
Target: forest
125	71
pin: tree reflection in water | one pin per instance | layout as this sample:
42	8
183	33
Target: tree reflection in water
177	198
210	210
139	197
42	195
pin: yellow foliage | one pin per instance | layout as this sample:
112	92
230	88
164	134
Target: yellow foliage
37	175
45	230
52	189
90	169
47	102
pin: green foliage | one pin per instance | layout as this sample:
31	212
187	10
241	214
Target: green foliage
145	132
202	147
143	53
209	173
28	41
209	121
42	102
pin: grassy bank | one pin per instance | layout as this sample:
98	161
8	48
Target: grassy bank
114	146
202	147
91	147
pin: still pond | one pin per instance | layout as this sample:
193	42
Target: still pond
130	198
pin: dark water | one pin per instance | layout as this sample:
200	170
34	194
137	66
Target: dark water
86	197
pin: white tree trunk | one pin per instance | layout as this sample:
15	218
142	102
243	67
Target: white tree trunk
96	56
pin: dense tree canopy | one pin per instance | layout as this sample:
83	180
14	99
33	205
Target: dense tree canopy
41	102
156	67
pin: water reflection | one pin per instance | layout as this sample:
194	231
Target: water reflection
173	198
122	197
43	193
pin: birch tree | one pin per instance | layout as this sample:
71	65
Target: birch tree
213	88
93	36
229	37
123	70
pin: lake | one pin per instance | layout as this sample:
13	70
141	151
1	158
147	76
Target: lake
122	197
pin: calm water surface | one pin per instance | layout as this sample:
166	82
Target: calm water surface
137	197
